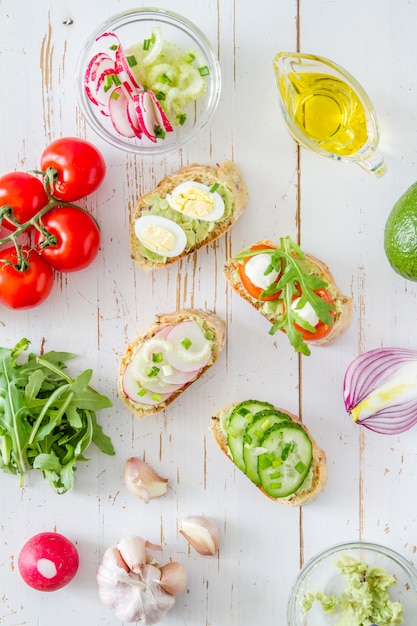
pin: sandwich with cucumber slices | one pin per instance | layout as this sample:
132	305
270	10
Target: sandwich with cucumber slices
274	449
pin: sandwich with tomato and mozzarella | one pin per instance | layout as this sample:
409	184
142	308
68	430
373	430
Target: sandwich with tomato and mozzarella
295	291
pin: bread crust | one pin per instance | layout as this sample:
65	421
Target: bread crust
342	303
227	174
319	463
211	322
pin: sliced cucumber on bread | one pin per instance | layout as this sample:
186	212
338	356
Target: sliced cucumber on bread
274	449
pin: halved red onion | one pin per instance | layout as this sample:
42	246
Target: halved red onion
380	390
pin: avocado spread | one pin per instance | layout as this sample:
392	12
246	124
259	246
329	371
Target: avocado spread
196	230
365	600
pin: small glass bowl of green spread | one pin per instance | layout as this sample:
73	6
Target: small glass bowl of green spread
148	81
355	584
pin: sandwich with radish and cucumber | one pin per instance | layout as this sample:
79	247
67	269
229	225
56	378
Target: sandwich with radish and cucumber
163	361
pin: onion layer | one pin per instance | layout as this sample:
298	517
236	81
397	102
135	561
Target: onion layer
380	390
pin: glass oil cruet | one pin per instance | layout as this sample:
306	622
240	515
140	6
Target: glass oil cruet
327	110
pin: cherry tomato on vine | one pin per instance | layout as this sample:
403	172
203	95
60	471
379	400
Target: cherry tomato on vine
28	287
76	239
322	329
252	289
80	167
24	193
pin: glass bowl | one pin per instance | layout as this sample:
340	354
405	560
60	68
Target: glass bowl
134	27
322	574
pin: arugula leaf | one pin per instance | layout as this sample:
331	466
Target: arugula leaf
47	419
293	281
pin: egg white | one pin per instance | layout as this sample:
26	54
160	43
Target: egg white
164	227
193	199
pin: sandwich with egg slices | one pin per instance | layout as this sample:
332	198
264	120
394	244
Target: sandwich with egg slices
294	291
273	449
187	210
164	360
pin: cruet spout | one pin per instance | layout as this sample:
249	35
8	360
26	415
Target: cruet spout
327	110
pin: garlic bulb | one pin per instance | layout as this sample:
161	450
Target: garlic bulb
142	481
201	533
134	586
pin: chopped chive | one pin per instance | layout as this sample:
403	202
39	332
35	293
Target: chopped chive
131	59
259	433
286	450
142	391
156	396
186	342
190	57
159	132
152	371
114	46
181	118
204	71
276	485
160	95
275	475
300	467
209	335
115	95
157	357
214	187
146	44
164	78
277	463
243	412
266	424
116	80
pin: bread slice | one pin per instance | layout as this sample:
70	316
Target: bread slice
208	321
342	304
309	490
228	175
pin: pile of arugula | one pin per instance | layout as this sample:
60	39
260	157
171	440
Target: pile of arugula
47	419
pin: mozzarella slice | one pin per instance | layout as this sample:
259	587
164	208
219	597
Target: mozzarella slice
160	235
306	312
195	200
255	269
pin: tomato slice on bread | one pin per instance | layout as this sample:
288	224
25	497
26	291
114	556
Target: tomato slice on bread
321	329
252	289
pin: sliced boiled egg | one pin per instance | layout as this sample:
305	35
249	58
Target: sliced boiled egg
255	269
160	235
197	201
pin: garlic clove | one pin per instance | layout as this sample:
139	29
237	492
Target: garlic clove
142	481
201	533
133	553
173	578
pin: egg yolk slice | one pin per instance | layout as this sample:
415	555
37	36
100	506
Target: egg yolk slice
197	201
160	235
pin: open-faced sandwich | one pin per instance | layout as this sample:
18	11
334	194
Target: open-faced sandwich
274	449
175	351
187	210
294	291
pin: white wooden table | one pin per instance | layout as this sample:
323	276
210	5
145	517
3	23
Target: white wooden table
337	210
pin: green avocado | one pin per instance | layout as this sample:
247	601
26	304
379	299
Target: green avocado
400	235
